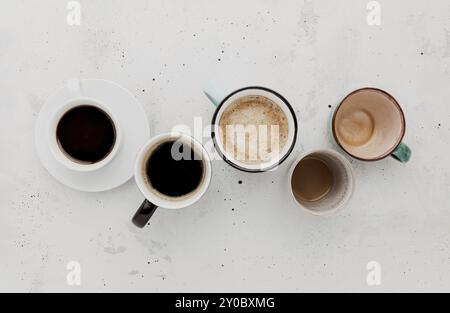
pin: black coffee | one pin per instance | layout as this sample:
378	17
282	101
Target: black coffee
171	177
86	134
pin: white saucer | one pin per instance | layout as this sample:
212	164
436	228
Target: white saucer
135	130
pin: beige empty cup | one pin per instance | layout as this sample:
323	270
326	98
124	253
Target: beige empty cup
369	124
322	182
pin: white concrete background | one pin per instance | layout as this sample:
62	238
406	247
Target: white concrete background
313	52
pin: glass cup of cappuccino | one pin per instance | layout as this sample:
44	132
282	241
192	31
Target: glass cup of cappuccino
254	129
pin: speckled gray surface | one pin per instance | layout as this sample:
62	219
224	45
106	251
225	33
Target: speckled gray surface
239	237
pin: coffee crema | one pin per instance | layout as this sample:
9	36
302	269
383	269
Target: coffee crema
86	134
254	129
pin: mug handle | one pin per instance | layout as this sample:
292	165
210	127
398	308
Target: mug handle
144	214
402	153
212	99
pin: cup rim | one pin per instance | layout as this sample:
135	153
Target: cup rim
403	131
288	151
60	156
164	203
346	164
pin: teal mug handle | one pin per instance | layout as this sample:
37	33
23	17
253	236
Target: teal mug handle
212	99
402	153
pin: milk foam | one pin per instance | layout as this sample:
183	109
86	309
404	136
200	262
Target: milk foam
254	129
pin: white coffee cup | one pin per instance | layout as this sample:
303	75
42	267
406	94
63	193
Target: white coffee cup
285	107
78	100
154	198
342	188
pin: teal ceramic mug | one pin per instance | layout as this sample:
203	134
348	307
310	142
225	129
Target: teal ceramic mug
369	125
